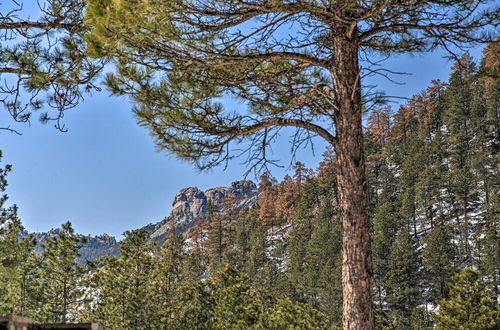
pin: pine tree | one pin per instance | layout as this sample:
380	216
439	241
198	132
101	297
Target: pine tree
485	161
197	260
306	211
322	269
61	276
220	228
439	260
403	278
19	282
226	301
379	123
471	305
267	201
43	60
458	118
286	195
257	246
123	286
239	238
290	71
386	226
18	268
167	274
430	196
409	171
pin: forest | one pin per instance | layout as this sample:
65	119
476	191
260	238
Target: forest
432	169
397	228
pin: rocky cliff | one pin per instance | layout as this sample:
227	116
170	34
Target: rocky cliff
188	207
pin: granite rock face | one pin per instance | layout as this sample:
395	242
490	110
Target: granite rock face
190	205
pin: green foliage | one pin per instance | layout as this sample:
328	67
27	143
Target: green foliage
385	229
226	301
61	276
439	258
470	306
176	67
17	265
403	276
124	289
43	59
17	259
418	319
288	315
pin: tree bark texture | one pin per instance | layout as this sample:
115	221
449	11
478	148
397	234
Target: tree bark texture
352	192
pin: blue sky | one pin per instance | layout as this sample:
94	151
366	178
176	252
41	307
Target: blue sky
105	175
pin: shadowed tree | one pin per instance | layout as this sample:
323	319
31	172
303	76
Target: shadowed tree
292	64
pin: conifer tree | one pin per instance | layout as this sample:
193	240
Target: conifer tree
17	267
303	227
168	274
286	195
420	319
403	278
61	276
458	116
485	161
239	240
197	260
267	201
220	228
408	177
322	267
386	226
430	198
257	256
125	294
439	260
376	137
470	306
226	301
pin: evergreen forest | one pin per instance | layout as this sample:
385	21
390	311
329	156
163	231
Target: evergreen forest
434	203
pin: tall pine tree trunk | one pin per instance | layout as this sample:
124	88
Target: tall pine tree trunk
357	274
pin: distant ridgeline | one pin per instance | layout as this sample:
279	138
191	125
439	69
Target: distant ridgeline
92	248
189	207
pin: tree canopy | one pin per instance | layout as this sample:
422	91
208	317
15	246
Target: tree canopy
177	59
44	65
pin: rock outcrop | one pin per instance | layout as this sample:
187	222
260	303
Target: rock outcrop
190	205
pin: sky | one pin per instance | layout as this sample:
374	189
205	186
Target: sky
106	176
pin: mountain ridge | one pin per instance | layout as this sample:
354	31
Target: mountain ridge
188	207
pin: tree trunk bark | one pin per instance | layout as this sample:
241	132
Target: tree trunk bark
357	273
